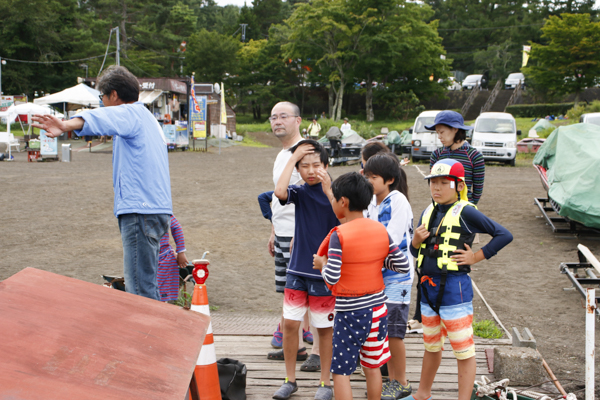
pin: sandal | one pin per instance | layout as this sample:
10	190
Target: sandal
312	364
278	355
307	336
414	326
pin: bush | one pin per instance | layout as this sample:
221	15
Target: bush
576	112
538	110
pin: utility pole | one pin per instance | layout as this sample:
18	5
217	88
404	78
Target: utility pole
2	62
118	46
244	32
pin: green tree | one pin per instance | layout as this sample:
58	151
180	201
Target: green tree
264	76
569	62
399	48
211	56
328	32
474	30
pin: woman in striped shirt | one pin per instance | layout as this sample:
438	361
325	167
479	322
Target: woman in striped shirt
451	131
170	261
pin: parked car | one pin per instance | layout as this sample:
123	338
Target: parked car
472	80
513	80
424	142
590	118
450	83
495	136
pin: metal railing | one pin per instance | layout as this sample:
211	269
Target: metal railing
470	100
516	94
490	101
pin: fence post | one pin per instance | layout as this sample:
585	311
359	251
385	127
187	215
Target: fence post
590	326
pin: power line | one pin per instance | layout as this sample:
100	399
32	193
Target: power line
53	62
490	28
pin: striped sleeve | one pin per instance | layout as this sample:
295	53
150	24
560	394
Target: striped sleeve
478	173
177	233
332	270
435	157
396	260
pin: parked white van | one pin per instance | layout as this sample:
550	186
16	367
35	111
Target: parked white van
495	136
424	142
590	118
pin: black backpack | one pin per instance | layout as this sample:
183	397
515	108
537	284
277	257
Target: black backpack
232	378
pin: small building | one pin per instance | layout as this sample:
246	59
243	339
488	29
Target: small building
167	99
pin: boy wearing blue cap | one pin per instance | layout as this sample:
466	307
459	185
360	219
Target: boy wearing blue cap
442	249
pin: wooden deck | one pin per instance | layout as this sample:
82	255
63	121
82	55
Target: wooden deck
266	376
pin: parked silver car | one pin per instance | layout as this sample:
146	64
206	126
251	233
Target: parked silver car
513	80
472	80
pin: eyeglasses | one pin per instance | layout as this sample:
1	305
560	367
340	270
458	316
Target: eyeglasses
101	96
282	117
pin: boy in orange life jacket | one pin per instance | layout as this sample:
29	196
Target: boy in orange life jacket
441	246
304	287
351	258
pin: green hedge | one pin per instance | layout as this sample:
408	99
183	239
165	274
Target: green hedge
538	110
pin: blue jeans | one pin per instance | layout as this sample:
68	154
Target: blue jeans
141	234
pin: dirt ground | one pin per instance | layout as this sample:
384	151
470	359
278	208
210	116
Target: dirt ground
59	217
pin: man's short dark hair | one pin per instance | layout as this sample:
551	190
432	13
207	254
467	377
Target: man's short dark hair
370	149
122	81
356	188
387	166
319	149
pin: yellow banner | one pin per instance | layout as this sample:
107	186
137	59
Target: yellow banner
526	50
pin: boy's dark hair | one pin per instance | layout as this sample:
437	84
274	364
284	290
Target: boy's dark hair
319	149
387	166
370	149
355	188
459	136
120	79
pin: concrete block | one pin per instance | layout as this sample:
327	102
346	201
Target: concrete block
522	365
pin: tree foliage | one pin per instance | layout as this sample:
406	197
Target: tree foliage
569	61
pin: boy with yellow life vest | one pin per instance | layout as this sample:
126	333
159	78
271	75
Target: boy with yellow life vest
351	258
442	249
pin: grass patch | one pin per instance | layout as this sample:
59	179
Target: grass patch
363	128
486	329
185	299
251	142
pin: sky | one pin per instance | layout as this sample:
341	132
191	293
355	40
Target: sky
240	3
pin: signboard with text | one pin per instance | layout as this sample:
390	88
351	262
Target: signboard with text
198	118
48	145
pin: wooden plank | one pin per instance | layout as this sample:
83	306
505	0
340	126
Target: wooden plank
265	376
590	257
67	339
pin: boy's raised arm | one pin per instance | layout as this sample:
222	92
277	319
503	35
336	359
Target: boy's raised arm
281	190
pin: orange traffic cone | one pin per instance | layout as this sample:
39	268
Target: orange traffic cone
206	373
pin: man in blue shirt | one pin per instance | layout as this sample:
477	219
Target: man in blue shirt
141	180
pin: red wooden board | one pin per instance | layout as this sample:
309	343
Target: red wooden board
61	338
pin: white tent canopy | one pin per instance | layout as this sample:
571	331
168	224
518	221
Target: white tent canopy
13	111
81	94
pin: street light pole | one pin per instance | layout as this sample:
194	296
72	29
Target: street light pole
2	62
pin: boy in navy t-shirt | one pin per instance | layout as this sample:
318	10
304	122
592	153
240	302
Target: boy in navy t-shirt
305	288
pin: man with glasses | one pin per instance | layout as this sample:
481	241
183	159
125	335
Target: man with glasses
285	123
141	179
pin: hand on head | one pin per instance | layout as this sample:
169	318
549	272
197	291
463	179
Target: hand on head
303	150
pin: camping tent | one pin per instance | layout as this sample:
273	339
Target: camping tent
75	97
13	111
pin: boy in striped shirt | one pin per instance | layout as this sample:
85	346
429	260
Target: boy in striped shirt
350	260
